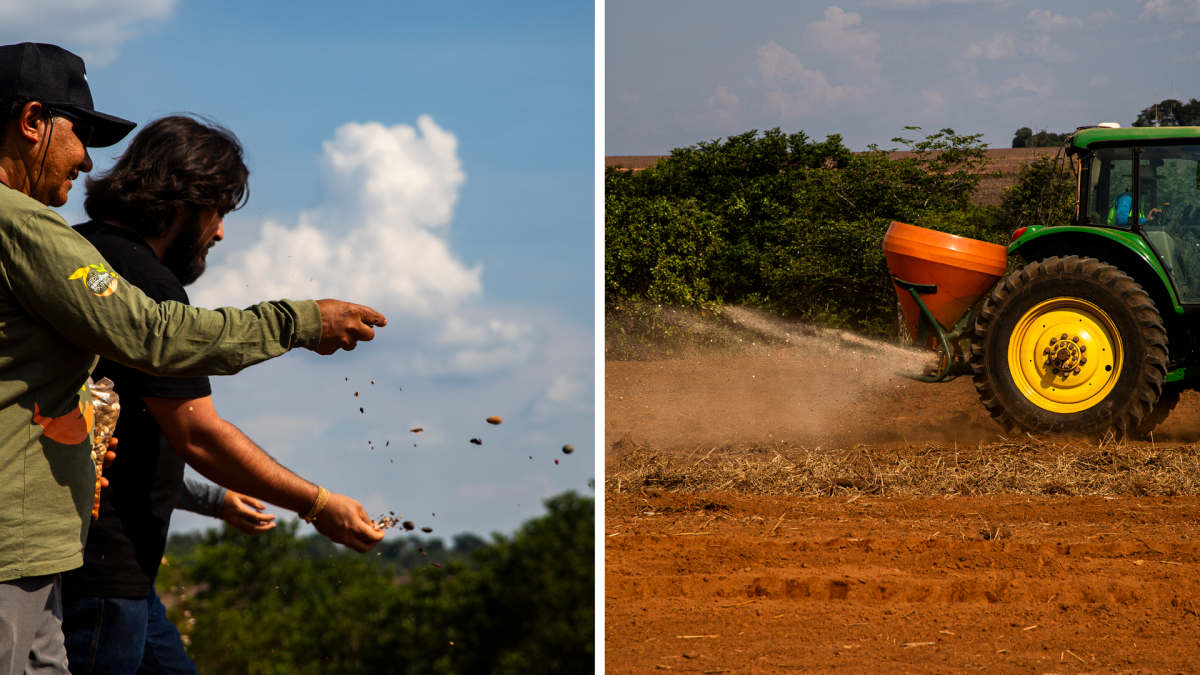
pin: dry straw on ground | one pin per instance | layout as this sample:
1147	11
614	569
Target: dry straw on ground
1028	466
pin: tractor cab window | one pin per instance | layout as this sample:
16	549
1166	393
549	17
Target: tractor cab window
1170	178
1110	196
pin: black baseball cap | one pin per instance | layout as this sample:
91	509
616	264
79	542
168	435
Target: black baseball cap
56	78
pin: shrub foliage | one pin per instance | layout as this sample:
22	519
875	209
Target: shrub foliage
796	225
266	604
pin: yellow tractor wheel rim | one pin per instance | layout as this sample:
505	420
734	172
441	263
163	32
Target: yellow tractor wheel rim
1065	374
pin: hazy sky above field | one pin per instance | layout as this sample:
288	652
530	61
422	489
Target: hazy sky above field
435	162
683	71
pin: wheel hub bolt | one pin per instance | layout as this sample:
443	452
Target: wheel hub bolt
1065	354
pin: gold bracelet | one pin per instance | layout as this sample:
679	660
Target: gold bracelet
322	499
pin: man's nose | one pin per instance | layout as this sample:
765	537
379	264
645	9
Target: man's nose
220	230
86	165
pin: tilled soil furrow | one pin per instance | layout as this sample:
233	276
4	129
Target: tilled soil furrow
730	583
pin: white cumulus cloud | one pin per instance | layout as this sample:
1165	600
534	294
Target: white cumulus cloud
924	4
777	65
564	394
1044	46
1042	84
931	103
93	29
1046	21
485	348
379	240
1168	10
793	89
836	35
999	46
725	110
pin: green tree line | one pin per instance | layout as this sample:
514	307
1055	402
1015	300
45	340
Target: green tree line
1026	138
796	225
1170	112
280	604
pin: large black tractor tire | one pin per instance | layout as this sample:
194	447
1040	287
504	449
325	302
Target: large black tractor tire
1166	403
1018	341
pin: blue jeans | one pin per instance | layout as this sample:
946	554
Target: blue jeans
123	636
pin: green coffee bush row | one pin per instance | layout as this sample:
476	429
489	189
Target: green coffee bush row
796	225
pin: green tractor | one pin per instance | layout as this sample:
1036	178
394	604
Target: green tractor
1100	330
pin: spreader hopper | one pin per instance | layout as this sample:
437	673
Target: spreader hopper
947	274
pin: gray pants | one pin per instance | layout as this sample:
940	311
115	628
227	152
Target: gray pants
31	637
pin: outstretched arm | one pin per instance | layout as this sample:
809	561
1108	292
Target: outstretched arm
208	499
61	280
224	455
203	498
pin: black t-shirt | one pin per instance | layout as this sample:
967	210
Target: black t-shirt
125	545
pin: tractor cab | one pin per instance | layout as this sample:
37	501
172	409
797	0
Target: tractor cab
1164	207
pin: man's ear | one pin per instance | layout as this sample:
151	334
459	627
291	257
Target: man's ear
29	122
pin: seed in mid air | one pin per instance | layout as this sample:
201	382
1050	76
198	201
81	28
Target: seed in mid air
494	419
568	449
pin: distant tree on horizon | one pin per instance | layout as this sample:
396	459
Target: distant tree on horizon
1026	138
1170	113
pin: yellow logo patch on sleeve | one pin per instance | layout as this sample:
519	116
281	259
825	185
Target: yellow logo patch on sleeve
98	280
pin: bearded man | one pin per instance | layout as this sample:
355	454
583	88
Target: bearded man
155	215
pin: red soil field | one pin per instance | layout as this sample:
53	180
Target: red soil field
730	583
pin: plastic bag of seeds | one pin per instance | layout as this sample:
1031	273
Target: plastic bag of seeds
106	406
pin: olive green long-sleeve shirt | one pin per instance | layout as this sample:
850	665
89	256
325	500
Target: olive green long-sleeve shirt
60	307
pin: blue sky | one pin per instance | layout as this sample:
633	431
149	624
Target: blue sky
454	147
683	71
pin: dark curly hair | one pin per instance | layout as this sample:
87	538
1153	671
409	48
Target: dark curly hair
173	161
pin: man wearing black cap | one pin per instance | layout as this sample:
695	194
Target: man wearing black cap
61	307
